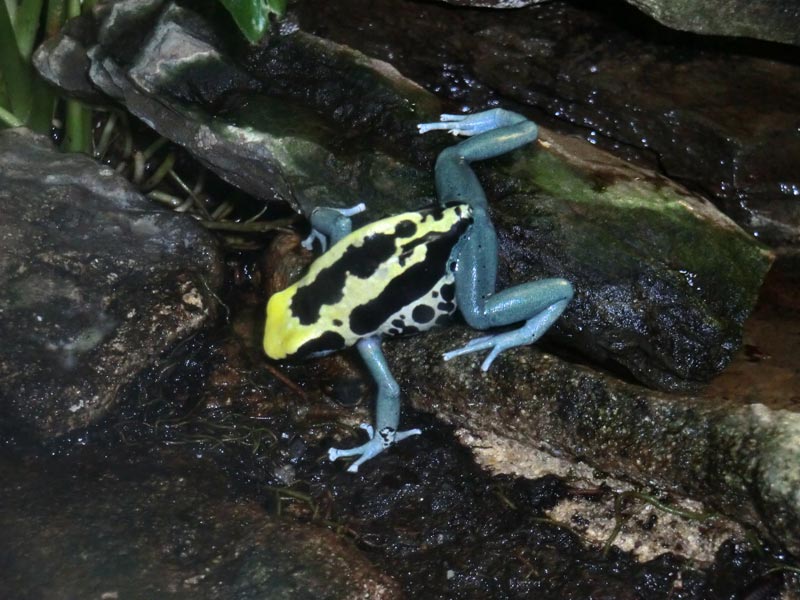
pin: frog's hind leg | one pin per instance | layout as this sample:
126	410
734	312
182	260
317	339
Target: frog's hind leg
538	303
387	410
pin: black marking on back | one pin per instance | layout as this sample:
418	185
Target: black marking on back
410	286
444	319
448	292
423	313
405	229
327	342
327	288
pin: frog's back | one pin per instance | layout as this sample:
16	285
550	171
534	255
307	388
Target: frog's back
390	277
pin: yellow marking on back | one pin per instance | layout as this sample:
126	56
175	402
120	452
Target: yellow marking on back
285	334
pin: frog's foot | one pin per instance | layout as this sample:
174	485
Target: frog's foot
497	342
376	444
308	243
531	331
330	223
473	124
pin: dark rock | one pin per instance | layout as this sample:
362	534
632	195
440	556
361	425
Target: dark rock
718	117
96	283
122	525
773	20
664	282
739	458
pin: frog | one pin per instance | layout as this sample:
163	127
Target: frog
410	272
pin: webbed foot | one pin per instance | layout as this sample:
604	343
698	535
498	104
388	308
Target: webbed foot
531	331
497	342
468	125
377	443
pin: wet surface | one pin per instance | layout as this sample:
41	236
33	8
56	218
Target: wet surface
767	367
244	440
709	112
423	514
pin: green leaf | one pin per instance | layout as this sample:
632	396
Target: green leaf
16	73
77	128
26	25
252	16
56	15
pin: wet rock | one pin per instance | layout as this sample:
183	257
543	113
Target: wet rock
773	20
326	125
128	525
740	458
718	117
96	283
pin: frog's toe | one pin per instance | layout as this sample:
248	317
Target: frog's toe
481	343
308	243
376	444
497	343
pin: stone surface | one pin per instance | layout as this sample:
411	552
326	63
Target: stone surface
741	459
719	117
312	122
117	524
96	283
772	20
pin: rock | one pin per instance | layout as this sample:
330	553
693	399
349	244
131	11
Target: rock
772	20
664	281
717	117
96	283
128	525
741	459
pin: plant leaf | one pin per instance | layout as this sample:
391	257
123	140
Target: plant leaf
16	73
26	26
252	16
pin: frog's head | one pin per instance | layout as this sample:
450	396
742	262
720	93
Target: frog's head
285	338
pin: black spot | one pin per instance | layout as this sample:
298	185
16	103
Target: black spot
448	291
435	294
327	342
393	331
422	313
399	323
443	319
338	322
413	284
447	307
453	265
409	330
405	229
328	286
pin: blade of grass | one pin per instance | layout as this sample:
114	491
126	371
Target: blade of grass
77	128
16	73
9	119
26	26
43	101
56	16
78	121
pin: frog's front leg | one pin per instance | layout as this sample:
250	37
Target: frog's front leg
387	410
537	303
331	225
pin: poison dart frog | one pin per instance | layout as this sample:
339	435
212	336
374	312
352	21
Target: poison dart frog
406	273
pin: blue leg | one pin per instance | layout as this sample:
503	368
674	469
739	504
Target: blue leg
537	303
331	224
387	409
